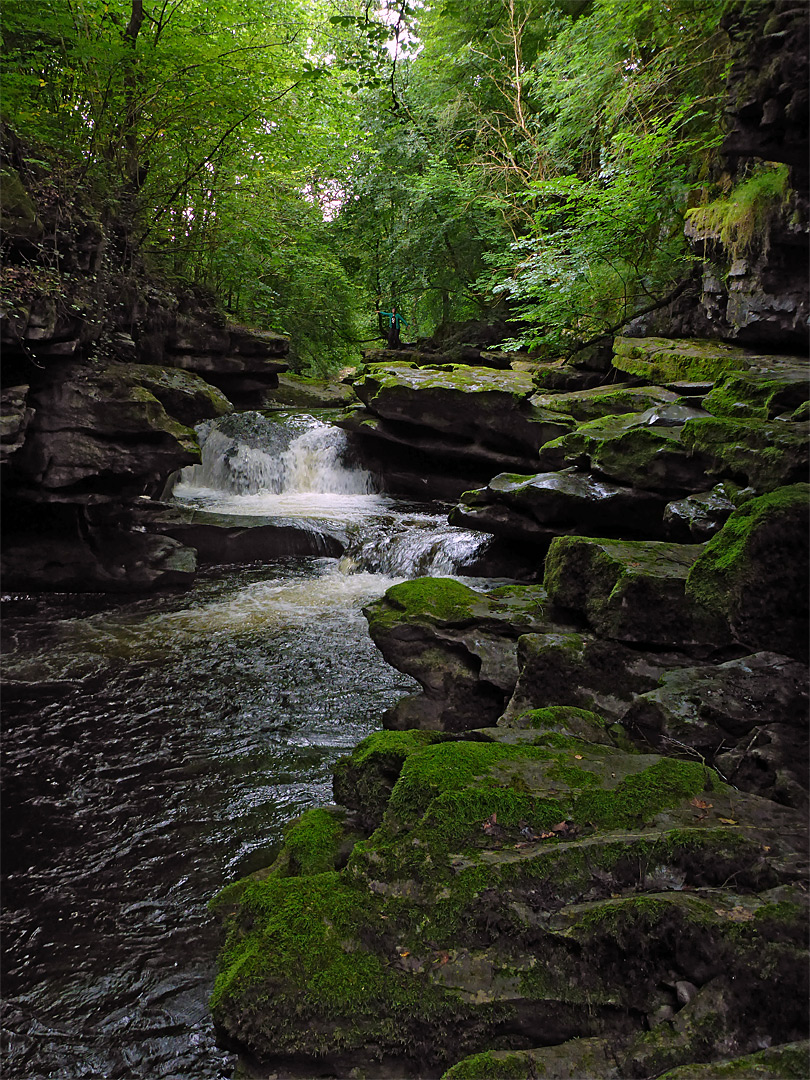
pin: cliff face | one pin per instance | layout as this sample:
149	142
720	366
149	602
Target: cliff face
752	286
105	372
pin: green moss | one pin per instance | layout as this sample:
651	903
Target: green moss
639	798
489	1066
747	394
731	565
313	842
301	957
791	1061
764	454
742	216
667	360
437	599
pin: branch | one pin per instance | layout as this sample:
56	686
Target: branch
676	292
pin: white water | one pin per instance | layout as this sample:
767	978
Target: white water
296	468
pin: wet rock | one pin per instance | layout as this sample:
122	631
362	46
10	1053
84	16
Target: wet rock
665	360
107	560
698	517
486	409
630	591
566	378
642	450
101	430
580	670
15	416
761	395
539	507
303	392
470	922
459	644
764	454
790	1061
747	716
19	219
753	574
229	539
610	400
570	1060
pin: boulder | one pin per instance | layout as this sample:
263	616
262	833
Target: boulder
15	416
665	360
790	1061
466	406
643	450
103	430
747	717
700	516
459	644
223	538
515	896
303	392
106	560
538	507
760	395
610	400
562	667
631	591
764	454
753	574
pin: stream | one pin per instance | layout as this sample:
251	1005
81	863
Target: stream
155	747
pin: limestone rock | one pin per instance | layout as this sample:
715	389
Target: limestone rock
538	507
97	429
747	716
110	560
790	1061
630	591
610	400
585	672
514	895
642	450
459	644
570	1060
761	395
303	392
481	407
15	416
764	454
753	574
664	360
700	516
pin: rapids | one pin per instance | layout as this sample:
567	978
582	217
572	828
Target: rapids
154	749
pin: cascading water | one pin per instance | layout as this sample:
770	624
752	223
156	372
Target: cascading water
154	750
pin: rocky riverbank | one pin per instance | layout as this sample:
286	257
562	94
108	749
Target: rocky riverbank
581	849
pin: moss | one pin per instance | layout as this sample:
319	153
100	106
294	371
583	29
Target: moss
436	599
738	219
666	360
639	798
750	395
763	454
301	959
791	1061
313	842
490	1066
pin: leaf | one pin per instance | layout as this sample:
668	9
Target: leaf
728	820
701	805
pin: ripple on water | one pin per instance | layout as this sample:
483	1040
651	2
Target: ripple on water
168	743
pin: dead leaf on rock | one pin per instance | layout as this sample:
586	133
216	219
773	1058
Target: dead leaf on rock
728	820
701	805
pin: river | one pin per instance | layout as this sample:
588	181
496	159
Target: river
154	748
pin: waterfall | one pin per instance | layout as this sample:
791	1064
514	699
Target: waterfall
249	454
297	468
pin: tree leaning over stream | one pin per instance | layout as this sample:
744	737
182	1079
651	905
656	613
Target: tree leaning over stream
304	160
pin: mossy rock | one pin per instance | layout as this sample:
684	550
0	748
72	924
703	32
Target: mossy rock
185	396
642	450
610	400
586	672
19	219
572	1060
461	646
364	779
629	590
764	454
542	505
758	396
670	360
753	573
790	1061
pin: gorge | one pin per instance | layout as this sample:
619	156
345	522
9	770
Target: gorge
420	709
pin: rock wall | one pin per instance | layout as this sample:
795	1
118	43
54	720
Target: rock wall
105	373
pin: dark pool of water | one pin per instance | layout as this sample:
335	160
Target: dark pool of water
152	752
